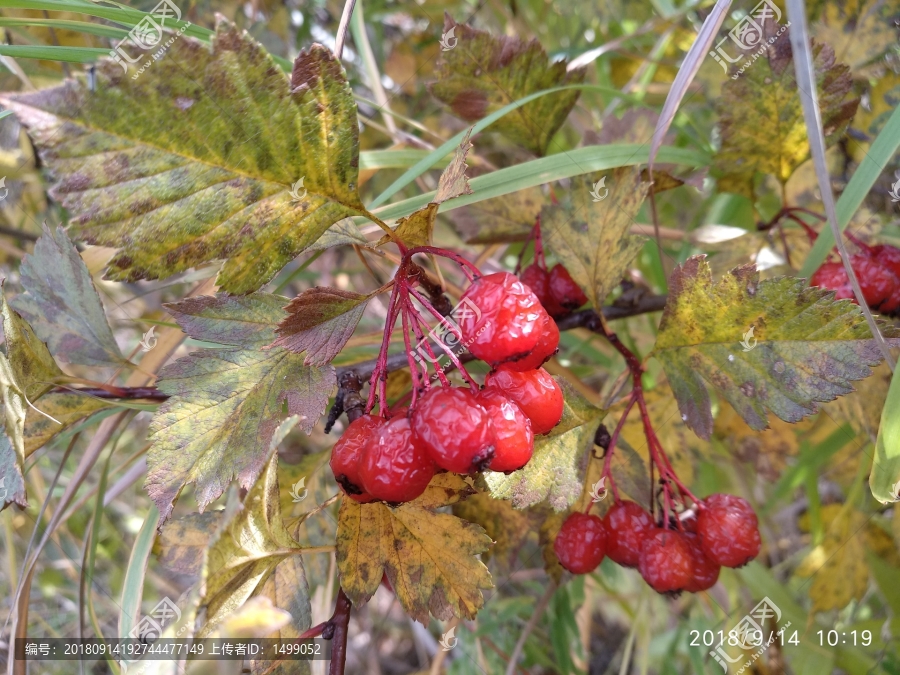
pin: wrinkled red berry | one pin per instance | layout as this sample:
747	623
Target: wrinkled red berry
564	289
833	276
628	525
514	442
548	342
346	453
704	572
876	281
728	530
454	429
535	392
500	318
665	562
581	543
394	466
888	257
538	280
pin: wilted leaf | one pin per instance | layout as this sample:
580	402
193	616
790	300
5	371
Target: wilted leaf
63	407
61	302
859	33
554	472
195	161
662	180
226	404
33	369
483	73
182	542
805	347
429	558
246	553
508	527
502	219
246	321
319	322
761	118
591	237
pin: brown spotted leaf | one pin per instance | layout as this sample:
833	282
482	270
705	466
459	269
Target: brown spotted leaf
764	346
483	72
429	557
501	219
65	408
319	322
212	154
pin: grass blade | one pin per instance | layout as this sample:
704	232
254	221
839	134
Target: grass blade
885	472
54	53
60	24
133	586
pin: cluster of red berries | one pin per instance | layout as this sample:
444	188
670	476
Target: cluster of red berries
463	429
686	557
557	291
878	270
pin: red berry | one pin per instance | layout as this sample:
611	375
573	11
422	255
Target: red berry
548	342
833	276
876	282
501	318
535	392
514	443
538	280
581	543
704	572
564	289
728	530
888	257
666	563
394	466
346	453
628	525
454	429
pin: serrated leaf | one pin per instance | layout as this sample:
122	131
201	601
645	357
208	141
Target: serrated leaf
808	346
502	219
196	160
482	73
761	117
319	322
247	552
60	300
554	472
65	408
226	404
859	33
429	558
508	527
591	237
246	321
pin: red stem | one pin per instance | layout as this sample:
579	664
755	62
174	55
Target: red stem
468	268
420	336
454	330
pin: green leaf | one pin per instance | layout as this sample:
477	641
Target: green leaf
761	117
590	236
196	160
247	321
319	322
226	404
33	369
482	73
884	479
65	408
554	472
804	346
60	300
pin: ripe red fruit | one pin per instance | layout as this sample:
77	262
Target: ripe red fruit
514	443
454	429
346	453
581	543
704	572
628	525
876	282
666	563
564	289
538	280
888	257
535	392
833	276
548	342
728	530
501	318
394	466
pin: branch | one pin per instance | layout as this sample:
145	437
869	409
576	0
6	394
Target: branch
336	631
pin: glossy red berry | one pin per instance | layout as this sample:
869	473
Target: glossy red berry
346	453
728	530
538	280
833	276
500	318
665	562
535	392
704	572
548	342
628	525
455	430
394	466
514	440
564	289
581	543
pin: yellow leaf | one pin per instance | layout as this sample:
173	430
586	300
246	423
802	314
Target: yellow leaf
508	527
